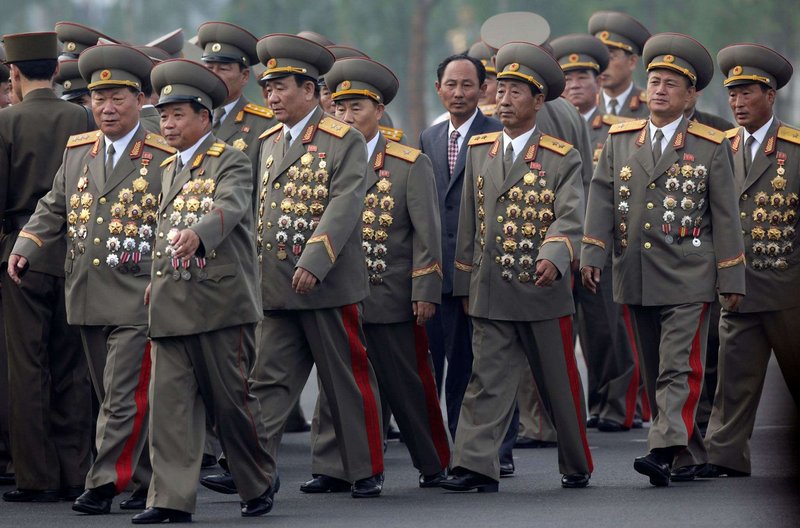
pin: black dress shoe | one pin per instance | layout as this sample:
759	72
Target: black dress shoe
220	482
23	495
610	426
260	505
137	501
70	493
467	481
686	473
650	466
94	501
367	487
591	423
507	469
637	423
393	433
576	480
7	479
325	484
208	461
298	427
715	471
532	443
432	481
159	515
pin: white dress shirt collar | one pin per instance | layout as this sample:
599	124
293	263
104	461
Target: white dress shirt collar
297	129
186	155
462	130
621	98
759	136
121	144
518	142
371	144
668	131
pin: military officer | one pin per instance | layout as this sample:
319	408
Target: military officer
73	87
625	37
767	179
104	198
400	229
205	258
662	198
171	43
312	264
485	54
76	37
521	215
49	389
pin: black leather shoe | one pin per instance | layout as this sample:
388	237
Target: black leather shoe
300	426
220	482
367	487
94	502
432	481
260	505
70	493
325	484
591	423
208	461
715	471
576	480
467	481
7	479
137	501
23	495
393	433
610	426
637	423
507	470
650	466
532	443
159	515
686	473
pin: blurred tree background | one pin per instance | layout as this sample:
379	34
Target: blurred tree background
412	36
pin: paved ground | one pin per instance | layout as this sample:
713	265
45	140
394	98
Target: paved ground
617	497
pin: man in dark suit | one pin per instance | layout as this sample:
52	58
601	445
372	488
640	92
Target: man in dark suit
460	85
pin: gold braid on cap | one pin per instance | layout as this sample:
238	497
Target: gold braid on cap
603	36
672	66
365	93
284	69
98	84
755	78
529	78
575	65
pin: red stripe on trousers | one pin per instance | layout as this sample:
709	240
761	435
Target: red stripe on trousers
360	364
435	422
695	378
647	414
574	383
633	386
125	461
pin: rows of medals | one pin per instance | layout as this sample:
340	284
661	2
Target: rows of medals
376	220
529	213
133	219
305	196
774	220
188	208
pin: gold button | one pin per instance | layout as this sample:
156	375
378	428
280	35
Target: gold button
497	259
102	200
277	185
96	241
213	255
498	239
647	225
650	205
744	197
96	262
99	219
500	219
269	246
648	245
269	224
164	215
158	273
161	235
273	205
651	186
743	214
158	254
502	199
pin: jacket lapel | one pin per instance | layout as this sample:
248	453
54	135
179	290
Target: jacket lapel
229	126
461	160
644	155
493	168
376	162
125	165
297	149
761	161
186	173
519	168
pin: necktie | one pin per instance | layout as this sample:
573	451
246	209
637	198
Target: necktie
287	140
508	158
452	150
219	114
109	162
657	137
748	154
179	165
612	105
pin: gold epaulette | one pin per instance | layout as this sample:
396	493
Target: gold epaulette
261	111
169	160
216	149
333	126
270	131
156	141
787	133
705	132
611	119
488	109
396	150
395	134
554	144
628	126
83	139
730	134
480	139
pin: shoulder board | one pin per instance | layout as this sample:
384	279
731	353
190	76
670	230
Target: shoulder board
628	126
395	134
611	119
261	111
216	149
270	131
169	160
488	109
730	134
396	150
480	139
554	144
83	139
333	126
156	141
705	132
787	133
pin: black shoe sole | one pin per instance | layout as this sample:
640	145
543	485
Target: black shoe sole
225	490
657	478
82	508
481	488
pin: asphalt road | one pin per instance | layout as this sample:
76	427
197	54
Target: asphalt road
617	496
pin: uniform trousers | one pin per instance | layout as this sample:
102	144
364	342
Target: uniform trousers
49	388
119	364
193	374
292	341
746	340
5	443
503	351
534	422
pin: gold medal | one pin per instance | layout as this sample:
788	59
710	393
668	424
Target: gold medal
282	254
143	171
306	159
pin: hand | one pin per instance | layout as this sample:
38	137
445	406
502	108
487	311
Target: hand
465	304
16	265
185	244
303	281
731	301
423	310
590	276
547	273
147	294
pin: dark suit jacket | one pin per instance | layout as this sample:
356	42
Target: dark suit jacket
433	142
